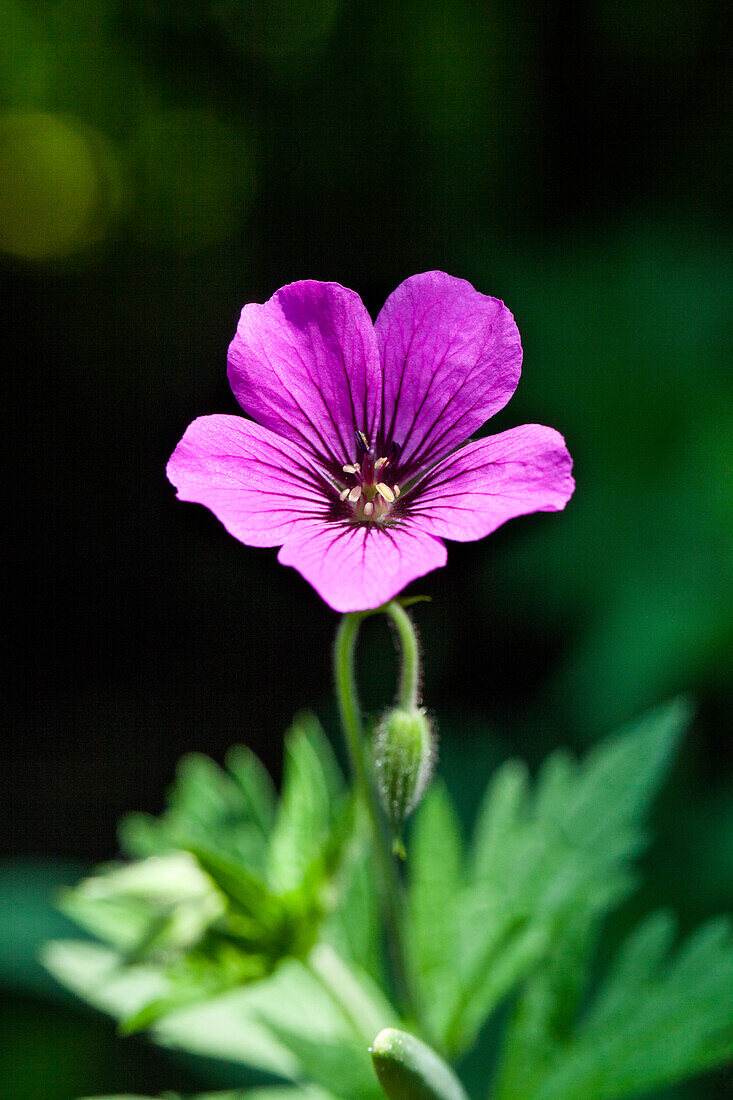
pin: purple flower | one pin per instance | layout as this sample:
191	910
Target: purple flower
353	462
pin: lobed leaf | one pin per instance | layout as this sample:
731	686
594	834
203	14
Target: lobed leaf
252	885
541	860
544	1013
311	794
353	926
230	811
163	902
436	873
242	1025
654	1021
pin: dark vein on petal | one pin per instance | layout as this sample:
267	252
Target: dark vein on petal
337	341
282	479
306	417
319	391
398	395
434	444
427	393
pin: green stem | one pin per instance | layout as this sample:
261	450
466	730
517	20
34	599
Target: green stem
409	689
345	990
391	891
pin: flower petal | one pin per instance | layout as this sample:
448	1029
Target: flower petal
451	359
256	483
356	568
477	488
306	365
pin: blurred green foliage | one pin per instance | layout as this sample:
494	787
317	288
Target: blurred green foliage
514	915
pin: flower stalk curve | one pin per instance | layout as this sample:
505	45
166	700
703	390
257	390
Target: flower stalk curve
390	884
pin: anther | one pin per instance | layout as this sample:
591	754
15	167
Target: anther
379	463
396	491
368	509
352	468
355	494
343	494
385	492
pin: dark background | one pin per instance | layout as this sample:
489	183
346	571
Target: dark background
163	163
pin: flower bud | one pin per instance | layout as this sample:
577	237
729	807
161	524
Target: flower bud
409	1070
403	756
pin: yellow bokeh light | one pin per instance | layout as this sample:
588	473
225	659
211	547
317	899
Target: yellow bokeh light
58	185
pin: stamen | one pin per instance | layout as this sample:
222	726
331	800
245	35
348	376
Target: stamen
355	494
352	468
343	494
368	509
385	492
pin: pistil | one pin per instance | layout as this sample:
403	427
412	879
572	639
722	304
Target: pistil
371	497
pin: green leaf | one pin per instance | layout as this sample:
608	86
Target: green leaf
541	861
354	927
239	1025
164	902
229	811
619	778
336	1064
224	1027
544	1013
362	1004
311	795
435	879
654	1021
98	974
248	895
256	786
409	1070
287	1093
502	812
210	918
333	1047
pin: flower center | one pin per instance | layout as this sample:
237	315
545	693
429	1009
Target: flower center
370	496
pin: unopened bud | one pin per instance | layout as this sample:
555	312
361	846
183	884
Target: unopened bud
409	1070
403	755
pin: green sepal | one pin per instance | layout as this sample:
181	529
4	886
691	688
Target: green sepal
409	1069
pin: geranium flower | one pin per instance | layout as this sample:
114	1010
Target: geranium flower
353	462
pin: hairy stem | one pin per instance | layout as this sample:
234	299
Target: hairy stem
409	687
391	889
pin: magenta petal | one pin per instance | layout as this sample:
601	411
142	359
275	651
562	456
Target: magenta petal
306	365
256	483
356	568
451	359
479	487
